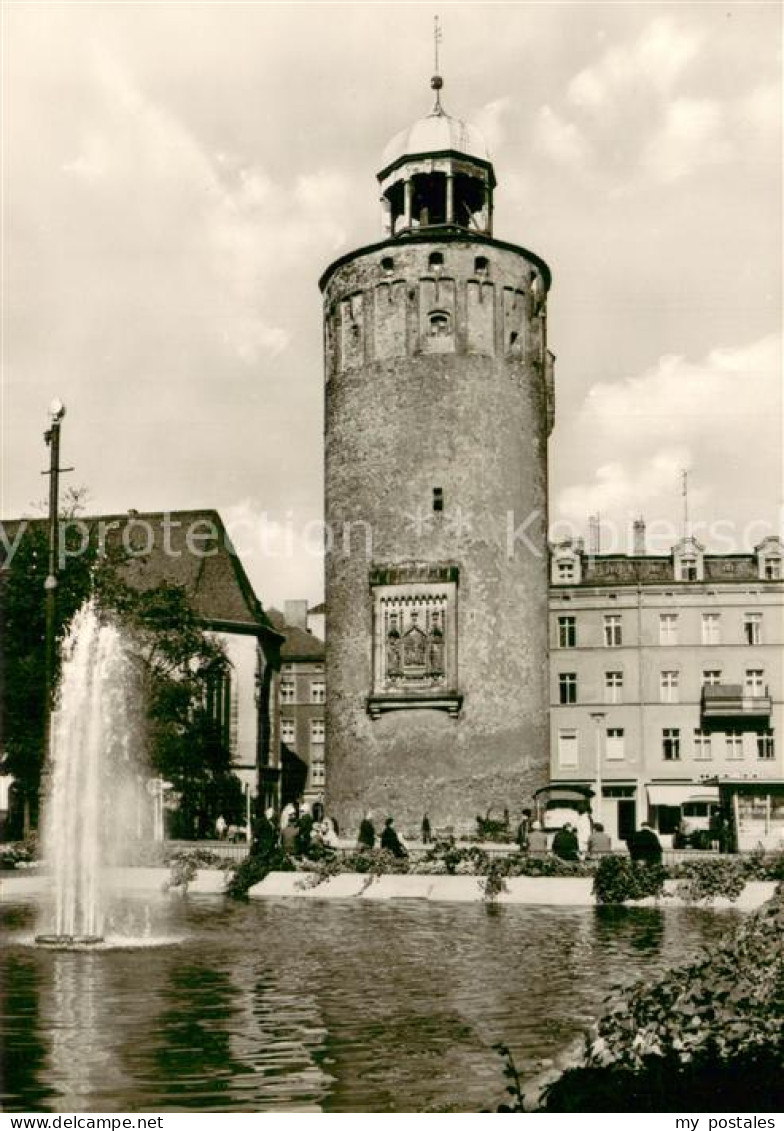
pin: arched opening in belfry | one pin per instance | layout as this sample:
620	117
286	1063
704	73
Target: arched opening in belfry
429	204
470	202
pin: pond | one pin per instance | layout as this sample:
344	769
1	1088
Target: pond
311	1006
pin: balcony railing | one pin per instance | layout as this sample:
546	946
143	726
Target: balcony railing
733	701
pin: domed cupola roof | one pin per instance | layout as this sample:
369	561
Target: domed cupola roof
437	133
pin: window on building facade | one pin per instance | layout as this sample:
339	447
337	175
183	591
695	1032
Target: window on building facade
318	773
733	745
711	677
568	749
771	569
702	745
565	570
318	691
711	628
614	746
317	730
613	687
567	687
567	632
669	683
613	634
288	732
440	324
671	744
687	569
766	747
752	628
668	628
287	691
754	683
438	499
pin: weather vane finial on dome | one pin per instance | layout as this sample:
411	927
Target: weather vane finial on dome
436	82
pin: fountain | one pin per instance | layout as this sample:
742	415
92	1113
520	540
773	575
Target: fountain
90	800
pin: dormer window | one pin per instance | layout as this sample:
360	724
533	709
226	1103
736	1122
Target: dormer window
688	569
770	556
566	567
688	560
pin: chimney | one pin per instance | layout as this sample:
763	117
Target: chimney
638	538
296	614
594	535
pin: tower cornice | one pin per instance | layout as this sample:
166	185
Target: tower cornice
433	236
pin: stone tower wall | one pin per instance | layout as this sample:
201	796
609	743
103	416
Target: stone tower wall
438	377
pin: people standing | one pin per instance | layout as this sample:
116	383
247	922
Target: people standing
583	830
305	828
367	832
220	827
390	841
289	838
265	834
523	830
426	831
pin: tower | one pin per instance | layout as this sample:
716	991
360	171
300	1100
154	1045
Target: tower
439	402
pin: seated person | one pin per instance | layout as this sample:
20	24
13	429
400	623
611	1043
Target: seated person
565	844
599	841
537	841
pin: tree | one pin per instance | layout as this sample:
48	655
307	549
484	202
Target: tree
179	667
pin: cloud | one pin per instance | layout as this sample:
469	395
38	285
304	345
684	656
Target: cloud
656	59
692	135
490	120
560	140
719	417
282	555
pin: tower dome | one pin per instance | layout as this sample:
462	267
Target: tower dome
437	133
437	173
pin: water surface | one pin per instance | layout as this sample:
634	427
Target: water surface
297	1006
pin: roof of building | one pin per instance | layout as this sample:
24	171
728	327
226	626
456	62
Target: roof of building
299	643
187	548
438	132
318	610
620	569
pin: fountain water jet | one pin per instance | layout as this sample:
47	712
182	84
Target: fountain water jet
89	807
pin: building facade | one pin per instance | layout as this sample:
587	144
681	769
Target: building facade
666	678
191	549
439	404
301	706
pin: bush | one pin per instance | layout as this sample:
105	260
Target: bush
20	853
703	1037
618	880
253	869
184	865
701	880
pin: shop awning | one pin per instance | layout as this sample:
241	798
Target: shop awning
679	792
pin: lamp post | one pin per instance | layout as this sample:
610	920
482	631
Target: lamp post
598	717
52	438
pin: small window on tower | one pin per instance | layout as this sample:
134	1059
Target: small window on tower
436	260
438	498
480	265
387	265
440	324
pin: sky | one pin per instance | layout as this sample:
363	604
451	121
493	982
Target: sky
176	177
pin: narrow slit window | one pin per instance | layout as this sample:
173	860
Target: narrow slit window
387	265
436	259
480	265
438	499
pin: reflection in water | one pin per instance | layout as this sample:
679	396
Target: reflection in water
333	1006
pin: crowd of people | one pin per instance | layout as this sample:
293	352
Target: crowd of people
304	830
582	838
